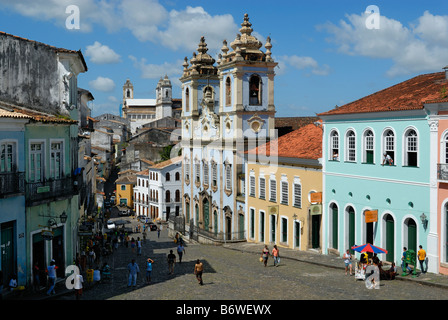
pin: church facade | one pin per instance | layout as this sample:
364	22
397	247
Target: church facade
227	109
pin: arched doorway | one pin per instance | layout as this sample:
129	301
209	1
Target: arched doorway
206	215
390	237
411	234
334	225
351	227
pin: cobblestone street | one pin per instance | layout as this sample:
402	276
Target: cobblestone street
235	275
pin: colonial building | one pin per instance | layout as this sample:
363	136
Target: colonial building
158	190
379	172
42	85
284	195
143	111
226	107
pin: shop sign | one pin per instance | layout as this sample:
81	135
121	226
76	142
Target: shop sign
316	197
316	209
371	216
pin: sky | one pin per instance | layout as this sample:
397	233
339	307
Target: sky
329	52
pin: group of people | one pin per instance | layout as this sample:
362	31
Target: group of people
266	253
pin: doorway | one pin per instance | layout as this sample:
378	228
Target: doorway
390	237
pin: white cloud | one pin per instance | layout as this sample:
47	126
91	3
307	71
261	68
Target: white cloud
303	63
420	47
102	54
154	71
103	84
148	20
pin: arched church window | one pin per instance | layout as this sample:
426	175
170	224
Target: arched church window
255	90
228	92
187	99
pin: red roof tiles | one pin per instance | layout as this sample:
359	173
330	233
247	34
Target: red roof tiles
408	95
303	143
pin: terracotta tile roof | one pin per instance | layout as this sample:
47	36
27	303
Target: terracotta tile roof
163	164
303	143
13	111
407	95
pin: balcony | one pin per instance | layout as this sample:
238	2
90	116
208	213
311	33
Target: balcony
11	183
50	190
442	172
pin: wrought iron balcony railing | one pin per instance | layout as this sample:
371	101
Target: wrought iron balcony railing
50	189
12	183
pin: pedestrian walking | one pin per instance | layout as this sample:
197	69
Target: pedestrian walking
404	265
78	286
171	259
51	273
276	255
139	247
422	259
133	245
149	263
180	251
348	261
198	269
265	255
158	232
133	270
36	277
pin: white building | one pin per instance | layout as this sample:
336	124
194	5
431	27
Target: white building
157	193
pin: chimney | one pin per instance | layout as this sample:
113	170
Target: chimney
446	72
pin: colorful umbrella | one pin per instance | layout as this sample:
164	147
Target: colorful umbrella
368	248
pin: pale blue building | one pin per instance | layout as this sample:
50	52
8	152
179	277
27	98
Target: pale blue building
368	199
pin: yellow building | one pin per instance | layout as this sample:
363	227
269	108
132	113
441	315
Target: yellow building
125	190
284	193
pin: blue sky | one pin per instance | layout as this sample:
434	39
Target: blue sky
326	54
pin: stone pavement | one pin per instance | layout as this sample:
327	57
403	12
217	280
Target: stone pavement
329	261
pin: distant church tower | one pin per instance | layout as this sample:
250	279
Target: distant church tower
164	101
128	93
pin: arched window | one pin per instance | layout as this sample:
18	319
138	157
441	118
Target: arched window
187	99
167	196
411	148
255	90
228	92
334	146
167	176
177	176
369	147
388	147
351	146
177	196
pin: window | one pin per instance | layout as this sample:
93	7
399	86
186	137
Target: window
285	190
177	196
272	190
198	173
187	99
228	177
36	162
214	174
368	147
252	186
206	172
8	157
252	222
187	170
389	147
411	153
228	92
334	146
262	188
167	196
297	195
123	187
351	146
177	176
284	227
255	90
167	176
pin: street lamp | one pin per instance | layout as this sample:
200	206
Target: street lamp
52	222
